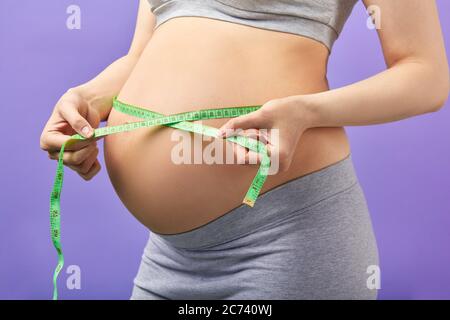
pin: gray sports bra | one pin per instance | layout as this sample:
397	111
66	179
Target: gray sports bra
321	20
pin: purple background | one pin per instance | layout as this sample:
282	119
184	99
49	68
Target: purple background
403	167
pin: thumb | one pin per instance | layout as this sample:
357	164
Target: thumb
71	114
249	121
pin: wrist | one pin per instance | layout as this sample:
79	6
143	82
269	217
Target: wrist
305	110
96	101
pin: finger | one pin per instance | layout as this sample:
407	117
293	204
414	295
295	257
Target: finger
257	134
252	157
85	166
242	154
274	155
80	144
53	141
270	150
263	136
92	172
239	153
70	112
74	158
251	133
243	122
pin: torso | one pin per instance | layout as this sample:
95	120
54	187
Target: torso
194	63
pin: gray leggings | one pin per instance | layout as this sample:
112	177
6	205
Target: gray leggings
310	238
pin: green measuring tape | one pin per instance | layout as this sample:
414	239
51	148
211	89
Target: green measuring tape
180	121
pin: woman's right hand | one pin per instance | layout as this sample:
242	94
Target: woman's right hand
72	114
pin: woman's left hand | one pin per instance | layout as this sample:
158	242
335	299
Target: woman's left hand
278	123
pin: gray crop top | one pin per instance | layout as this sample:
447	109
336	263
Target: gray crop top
321	20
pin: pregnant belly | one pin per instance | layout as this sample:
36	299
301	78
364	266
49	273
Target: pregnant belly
194	63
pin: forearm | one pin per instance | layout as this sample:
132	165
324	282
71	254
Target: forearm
404	90
100	91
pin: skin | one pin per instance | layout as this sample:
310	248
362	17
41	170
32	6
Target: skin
309	117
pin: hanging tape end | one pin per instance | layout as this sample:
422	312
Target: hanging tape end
249	202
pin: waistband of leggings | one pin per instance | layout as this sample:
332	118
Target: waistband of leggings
274	205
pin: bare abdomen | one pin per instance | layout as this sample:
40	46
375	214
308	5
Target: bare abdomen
194	63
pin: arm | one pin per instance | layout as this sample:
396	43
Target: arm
99	91
82	108
415	82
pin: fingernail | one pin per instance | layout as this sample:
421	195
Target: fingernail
85	131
